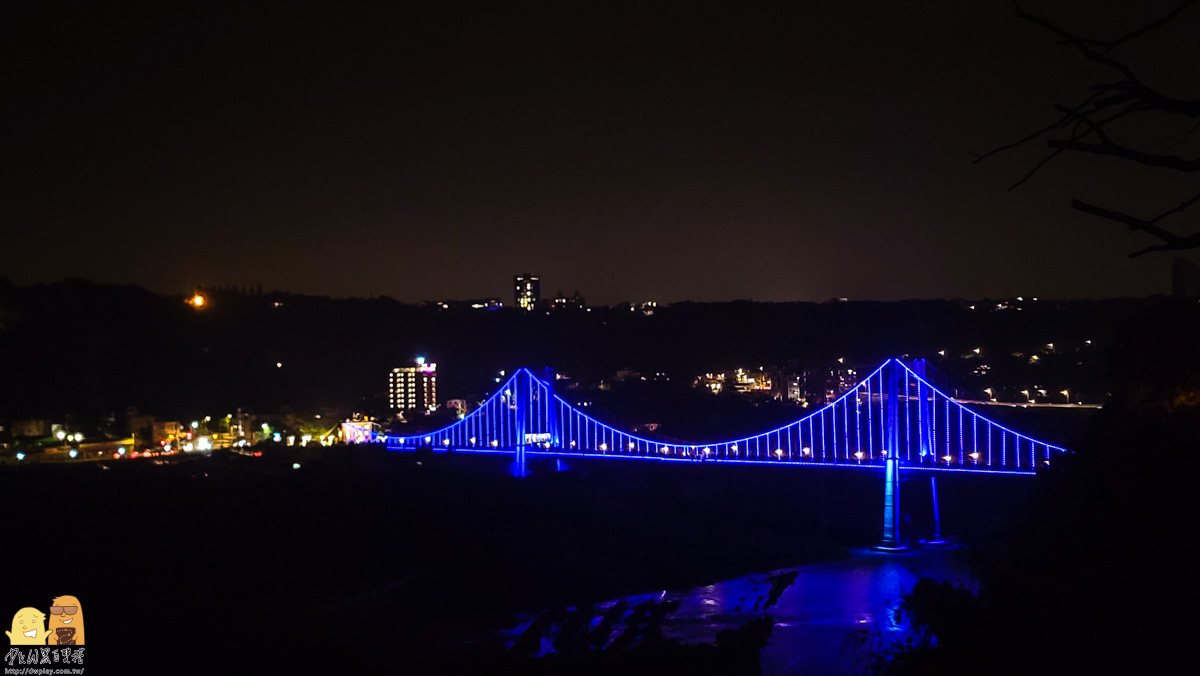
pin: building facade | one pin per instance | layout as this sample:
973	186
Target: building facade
527	291
413	387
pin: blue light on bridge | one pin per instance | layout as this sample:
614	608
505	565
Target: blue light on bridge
524	414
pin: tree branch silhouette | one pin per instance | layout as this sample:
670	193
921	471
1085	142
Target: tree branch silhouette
1084	128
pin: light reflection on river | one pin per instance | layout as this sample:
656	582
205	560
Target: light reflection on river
814	616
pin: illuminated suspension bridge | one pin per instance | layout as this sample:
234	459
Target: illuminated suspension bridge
894	419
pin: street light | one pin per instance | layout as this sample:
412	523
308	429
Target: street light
1067	394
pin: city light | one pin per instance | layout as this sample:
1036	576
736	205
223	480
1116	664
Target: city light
198	300
858	455
121	451
73	453
60	434
20	456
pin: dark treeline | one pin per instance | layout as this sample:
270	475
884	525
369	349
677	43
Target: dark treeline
91	349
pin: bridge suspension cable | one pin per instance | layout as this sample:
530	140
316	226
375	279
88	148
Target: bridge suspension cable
893	412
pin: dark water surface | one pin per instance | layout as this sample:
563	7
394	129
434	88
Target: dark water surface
813	616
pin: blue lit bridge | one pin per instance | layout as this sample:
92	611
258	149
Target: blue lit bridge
893	420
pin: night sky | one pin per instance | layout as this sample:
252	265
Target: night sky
673	155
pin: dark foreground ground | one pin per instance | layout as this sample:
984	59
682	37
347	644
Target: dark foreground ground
374	561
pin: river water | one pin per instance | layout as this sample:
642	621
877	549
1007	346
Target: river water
813	616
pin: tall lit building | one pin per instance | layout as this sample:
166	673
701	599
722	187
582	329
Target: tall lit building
412	387
528	291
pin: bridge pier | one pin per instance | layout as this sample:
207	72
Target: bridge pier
518	466
892	540
936	540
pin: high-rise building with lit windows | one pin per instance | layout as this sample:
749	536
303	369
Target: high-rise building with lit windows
412	387
528	291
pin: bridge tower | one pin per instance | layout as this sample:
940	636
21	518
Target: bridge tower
892	540
520	403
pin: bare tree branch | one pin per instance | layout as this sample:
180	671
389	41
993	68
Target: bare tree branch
1171	241
1080	44
1110	45
1109	148
1085	126
1191	242
979	157
1177	208
1039	165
